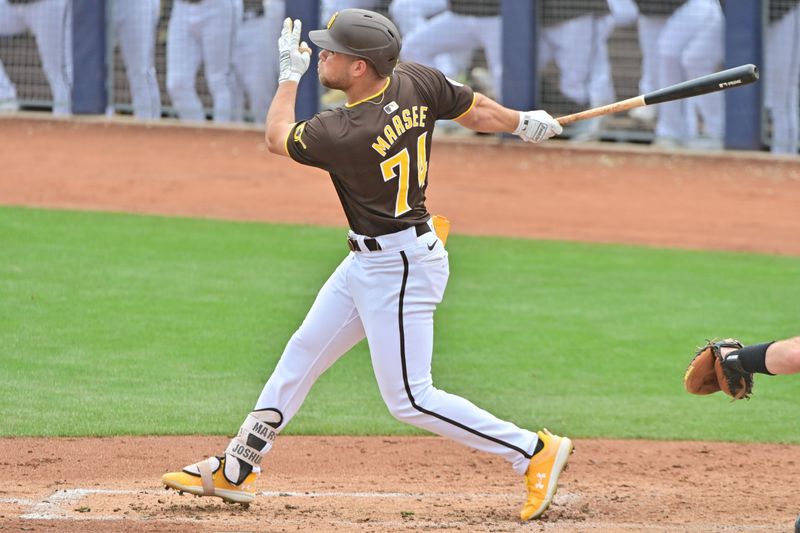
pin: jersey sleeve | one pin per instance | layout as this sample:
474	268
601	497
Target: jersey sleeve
447	97
309	143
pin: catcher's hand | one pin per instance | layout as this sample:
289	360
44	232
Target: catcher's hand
710	371
295	56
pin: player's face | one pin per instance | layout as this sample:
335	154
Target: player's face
333	69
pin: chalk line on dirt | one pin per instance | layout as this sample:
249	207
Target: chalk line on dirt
54	507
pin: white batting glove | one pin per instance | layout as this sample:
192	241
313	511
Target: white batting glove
294	55
536	126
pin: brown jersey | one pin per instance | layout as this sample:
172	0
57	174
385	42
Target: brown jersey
377	150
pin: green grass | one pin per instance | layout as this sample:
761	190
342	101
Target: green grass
120	324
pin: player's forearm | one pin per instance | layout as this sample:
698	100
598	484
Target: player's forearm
280	117
783	357
490	117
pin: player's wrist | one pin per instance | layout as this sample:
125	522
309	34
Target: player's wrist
520	122
290	77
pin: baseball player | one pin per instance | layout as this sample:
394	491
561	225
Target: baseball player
376	149
782	77
8	93
49	22
329	7
462	28
600	87
653	15
569	38
202	31
134	26
255	60
771	358
729	366
691	45
414	15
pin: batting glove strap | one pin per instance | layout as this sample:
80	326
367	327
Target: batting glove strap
295	57
536	126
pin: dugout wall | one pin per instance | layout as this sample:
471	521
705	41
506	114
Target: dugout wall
100	83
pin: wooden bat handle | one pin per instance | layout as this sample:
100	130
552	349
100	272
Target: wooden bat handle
616	107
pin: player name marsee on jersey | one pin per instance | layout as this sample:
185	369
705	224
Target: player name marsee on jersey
401	122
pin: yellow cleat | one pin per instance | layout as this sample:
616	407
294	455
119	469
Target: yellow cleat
543	472
206	478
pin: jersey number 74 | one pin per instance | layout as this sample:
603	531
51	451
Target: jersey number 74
402	160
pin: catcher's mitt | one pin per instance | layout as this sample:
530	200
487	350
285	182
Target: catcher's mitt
710	372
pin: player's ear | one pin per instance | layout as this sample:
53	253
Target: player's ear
360	68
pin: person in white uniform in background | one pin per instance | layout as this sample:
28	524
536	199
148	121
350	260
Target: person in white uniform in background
653	16
464	27
568	38
411	15
202	31
329	7
782	75
601	84
133	26
691	45
255	59
50	23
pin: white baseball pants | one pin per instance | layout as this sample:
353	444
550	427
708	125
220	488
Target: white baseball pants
134	25
782	79
601	84
202	32
255	60
455	35
412	15
650	28
571	44
691	45
49	21
389	297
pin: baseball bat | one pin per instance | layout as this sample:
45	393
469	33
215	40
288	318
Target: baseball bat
719	81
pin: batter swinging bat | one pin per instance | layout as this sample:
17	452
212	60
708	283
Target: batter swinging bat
719	81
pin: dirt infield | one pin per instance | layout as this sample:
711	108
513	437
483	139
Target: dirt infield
606	194
399	484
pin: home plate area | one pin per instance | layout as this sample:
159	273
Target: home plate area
396	484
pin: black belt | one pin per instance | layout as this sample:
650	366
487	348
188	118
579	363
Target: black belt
372	244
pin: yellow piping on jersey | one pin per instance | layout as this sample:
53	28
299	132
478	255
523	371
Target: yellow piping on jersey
474	99
298	134
286	142
388	81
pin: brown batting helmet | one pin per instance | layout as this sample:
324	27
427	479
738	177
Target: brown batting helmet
364	34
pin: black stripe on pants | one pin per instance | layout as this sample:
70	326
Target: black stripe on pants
408	386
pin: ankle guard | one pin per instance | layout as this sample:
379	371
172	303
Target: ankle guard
254	440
